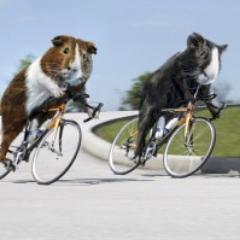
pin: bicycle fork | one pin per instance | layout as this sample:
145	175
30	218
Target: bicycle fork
188	134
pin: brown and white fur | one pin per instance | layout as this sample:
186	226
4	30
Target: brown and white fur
68	60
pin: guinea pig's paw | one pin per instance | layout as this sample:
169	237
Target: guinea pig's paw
58	92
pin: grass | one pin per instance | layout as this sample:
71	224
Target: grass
109	131
227	127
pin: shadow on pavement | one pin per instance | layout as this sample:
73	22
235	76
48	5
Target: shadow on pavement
87	181
95	181
154	175
230	174
150	176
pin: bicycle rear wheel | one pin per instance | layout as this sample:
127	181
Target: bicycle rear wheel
56	152
122	149
185	155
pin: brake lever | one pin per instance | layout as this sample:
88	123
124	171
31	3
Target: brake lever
95	111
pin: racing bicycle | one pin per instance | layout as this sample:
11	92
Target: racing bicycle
55	149
188	145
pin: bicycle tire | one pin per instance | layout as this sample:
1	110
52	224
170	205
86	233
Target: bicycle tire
63	124
127	164
203	160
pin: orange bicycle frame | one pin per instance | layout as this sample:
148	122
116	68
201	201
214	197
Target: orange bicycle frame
60	110
186	119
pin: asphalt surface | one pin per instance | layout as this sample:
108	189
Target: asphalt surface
92	203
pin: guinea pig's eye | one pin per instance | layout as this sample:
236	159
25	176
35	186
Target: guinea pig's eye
68	68
84	56
66	50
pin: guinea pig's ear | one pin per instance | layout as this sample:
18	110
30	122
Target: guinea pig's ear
57	41
195	40
223	48
91	48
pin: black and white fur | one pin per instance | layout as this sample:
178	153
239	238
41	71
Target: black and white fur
176	80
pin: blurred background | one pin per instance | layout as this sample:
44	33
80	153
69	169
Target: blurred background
133	38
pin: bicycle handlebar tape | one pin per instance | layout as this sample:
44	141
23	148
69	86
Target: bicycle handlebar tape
80	97
95	110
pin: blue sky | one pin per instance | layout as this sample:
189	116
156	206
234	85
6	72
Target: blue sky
132	36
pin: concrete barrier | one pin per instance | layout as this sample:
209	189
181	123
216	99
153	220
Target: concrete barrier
100	148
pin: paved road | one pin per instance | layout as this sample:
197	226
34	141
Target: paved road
91	203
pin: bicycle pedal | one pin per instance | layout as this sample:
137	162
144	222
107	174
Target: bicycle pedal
148	156
133	159
9	165
13	168
143	162
25	157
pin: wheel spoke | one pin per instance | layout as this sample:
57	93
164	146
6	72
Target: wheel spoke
195	148
45	168
122	150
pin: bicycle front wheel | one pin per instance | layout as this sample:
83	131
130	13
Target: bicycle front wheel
122	149
56	152
186	154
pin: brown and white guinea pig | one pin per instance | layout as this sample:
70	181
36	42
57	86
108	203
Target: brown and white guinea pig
68	60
